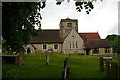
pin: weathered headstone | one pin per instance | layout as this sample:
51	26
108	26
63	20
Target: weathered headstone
106	59
47	58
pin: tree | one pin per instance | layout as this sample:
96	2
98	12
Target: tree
114	41
19	20
81	4
116	44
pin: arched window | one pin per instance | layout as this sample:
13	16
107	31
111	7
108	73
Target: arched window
28	50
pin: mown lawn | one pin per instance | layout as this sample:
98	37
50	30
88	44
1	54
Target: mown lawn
34	67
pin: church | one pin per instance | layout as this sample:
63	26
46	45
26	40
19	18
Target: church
68	40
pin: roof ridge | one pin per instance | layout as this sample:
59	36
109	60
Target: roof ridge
50	29
86	32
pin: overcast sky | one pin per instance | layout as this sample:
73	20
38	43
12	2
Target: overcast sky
119	18
103	18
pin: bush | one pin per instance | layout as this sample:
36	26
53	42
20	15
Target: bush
8	73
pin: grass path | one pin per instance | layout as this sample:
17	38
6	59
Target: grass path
85	67
34	67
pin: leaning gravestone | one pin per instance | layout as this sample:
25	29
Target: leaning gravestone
47	58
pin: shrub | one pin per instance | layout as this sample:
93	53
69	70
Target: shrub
8	73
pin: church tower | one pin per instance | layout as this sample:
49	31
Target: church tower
66	25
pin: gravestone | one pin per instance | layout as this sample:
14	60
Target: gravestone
47	58
102	62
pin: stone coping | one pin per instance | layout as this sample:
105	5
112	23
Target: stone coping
107	58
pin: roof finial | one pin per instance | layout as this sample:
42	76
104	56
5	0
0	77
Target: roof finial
67	17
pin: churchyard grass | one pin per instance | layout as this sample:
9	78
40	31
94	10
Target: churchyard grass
85	67
34	66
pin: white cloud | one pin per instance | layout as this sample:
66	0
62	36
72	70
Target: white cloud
103	18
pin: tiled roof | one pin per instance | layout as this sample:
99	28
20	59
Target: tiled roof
93	40
49	36
102	43
89	36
